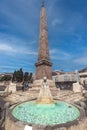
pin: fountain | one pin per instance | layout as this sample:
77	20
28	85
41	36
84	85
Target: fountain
45	110
45	96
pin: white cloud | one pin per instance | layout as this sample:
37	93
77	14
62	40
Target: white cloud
6	48
11	45
8	67
81	60
10	50
60	55
56	21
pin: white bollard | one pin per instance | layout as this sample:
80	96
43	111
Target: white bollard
28	127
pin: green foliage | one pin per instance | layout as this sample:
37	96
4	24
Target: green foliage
14	76
20	76
26	77
6	78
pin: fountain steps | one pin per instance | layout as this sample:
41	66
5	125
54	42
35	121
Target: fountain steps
20	96
72	99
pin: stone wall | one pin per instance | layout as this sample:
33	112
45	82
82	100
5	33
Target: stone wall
17	125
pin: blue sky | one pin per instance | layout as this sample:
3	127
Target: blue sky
19	34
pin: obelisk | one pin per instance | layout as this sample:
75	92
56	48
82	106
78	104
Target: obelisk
43	66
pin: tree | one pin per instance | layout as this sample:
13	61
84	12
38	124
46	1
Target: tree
18	76
6	78
26	77
14	76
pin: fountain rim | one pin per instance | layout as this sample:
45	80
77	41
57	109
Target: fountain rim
68	124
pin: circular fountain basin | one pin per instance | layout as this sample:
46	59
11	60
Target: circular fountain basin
46	114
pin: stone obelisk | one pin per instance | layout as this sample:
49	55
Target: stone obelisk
43	66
